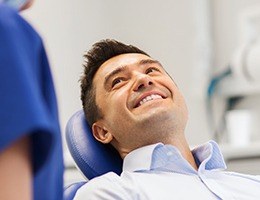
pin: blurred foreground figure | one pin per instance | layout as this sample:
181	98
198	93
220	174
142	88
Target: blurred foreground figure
31	164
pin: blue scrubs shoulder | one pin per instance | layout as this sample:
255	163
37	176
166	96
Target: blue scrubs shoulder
28	102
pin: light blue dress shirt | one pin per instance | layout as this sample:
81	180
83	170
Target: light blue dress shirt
159	172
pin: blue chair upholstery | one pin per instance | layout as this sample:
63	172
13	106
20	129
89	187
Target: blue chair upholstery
92	157
70	191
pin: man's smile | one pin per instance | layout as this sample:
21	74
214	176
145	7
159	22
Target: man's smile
148	96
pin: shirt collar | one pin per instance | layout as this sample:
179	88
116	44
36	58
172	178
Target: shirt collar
168	158
140	159
208	156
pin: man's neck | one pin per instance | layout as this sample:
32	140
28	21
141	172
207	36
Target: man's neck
182	145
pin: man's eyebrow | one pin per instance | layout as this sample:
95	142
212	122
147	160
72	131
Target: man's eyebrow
149	61
113	73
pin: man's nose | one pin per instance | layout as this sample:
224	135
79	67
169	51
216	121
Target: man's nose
142	81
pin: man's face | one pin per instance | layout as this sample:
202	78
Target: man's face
140	103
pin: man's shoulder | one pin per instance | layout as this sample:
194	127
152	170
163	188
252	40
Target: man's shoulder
105	178
107	186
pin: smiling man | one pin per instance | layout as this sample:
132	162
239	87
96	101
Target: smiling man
132	103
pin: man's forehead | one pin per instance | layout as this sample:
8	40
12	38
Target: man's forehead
120	61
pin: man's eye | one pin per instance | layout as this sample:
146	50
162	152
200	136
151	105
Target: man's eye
116	81
152	69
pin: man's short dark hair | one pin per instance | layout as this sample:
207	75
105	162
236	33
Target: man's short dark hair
93	59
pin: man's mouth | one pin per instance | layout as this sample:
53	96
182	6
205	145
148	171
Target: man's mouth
149	98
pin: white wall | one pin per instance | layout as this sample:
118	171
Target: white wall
176	32
227	28
229	33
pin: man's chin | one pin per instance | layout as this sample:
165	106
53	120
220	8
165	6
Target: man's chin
155	115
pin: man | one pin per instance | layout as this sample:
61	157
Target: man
30	146
132	103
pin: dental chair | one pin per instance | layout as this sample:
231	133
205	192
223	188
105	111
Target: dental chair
91	157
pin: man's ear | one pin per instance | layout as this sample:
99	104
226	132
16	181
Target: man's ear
101	133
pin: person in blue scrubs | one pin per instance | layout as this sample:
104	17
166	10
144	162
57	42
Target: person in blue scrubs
31	162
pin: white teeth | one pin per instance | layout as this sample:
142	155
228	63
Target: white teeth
149	98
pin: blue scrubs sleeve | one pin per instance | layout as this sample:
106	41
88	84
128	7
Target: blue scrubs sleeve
28	103
27	98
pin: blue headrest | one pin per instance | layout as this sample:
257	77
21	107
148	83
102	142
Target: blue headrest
92	157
